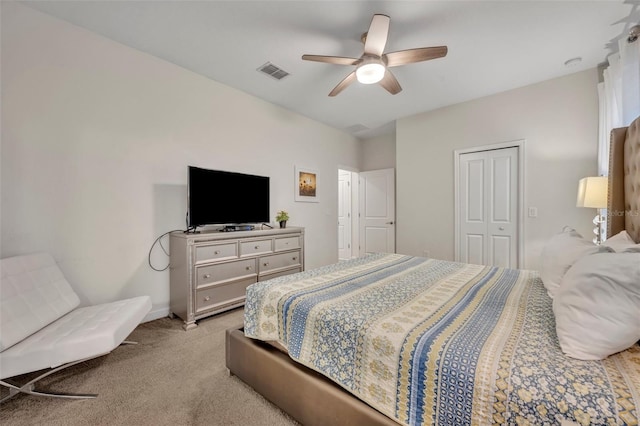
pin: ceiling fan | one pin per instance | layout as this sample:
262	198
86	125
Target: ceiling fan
373	66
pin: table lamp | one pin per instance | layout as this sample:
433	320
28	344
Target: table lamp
592	193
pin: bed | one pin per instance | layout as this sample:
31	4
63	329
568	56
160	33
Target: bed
395	339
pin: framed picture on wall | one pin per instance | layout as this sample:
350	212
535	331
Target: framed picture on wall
306	184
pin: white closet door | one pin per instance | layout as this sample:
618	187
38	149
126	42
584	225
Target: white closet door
344	214
488	207
377	211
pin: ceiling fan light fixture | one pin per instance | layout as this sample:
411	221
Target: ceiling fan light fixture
372	66
370	71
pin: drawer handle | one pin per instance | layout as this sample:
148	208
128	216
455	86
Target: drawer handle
206	299
265	264
207	276
256	247
248	268
216	252
295	258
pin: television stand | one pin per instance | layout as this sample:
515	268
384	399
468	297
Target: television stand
232	228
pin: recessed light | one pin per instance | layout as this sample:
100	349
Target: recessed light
573	62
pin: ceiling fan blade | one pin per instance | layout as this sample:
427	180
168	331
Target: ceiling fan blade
390	83
331	59
343	84
377	35
409	56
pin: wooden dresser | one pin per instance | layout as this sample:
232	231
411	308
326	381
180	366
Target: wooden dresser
210	271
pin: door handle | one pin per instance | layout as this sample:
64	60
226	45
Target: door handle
390	223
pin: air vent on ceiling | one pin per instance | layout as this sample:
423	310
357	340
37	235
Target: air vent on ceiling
273	71
356	128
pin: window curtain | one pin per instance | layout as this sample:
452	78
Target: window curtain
619	96
619	102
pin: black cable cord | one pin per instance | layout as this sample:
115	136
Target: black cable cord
159	241
190	229
163	249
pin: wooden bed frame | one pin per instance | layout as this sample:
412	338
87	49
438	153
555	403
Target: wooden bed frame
312	399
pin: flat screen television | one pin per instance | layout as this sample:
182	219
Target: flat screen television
216	197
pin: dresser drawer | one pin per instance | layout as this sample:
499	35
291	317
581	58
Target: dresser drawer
268	276
249	248
279	261
287	243
216	251
224	271
223	294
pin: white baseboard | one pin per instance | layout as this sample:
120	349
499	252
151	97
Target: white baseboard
157	313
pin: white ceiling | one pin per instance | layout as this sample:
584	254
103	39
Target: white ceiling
493	46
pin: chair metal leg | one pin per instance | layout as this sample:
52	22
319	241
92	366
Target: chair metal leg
12	392
28	387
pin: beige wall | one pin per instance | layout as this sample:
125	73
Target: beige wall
558	120
379	152
96	139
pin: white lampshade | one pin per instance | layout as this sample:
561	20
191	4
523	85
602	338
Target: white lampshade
370	71
592	192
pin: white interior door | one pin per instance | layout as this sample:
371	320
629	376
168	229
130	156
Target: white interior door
488	207
377	211
344	214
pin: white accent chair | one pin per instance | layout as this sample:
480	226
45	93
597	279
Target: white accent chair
41	326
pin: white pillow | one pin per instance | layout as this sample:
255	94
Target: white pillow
597	307
620	242
559	253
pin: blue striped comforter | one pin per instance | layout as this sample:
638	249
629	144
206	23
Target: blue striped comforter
435	342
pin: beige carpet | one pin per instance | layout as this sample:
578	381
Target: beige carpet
171	377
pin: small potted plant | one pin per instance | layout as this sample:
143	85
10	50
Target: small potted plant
282	217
